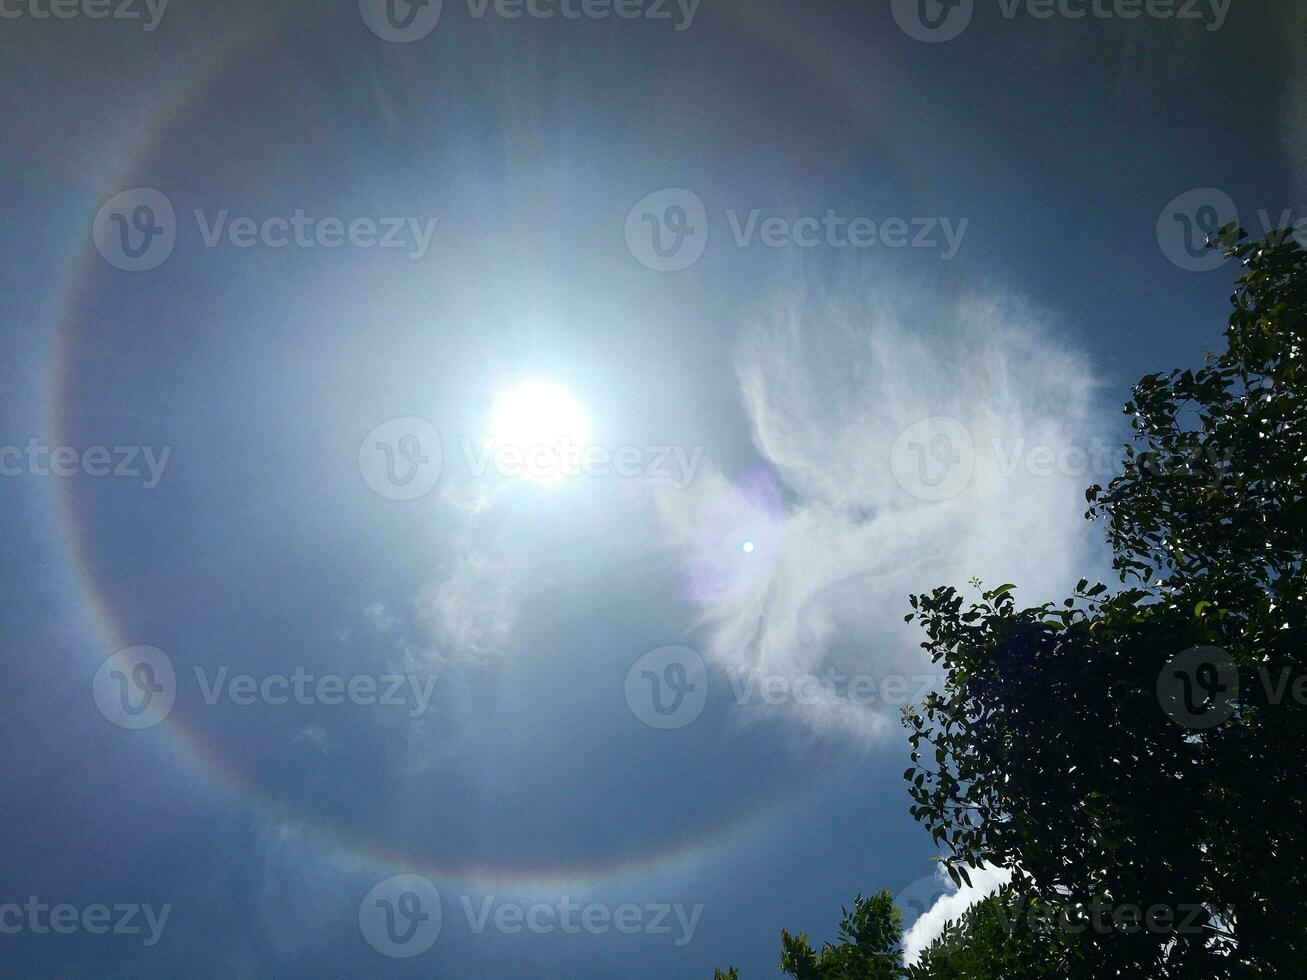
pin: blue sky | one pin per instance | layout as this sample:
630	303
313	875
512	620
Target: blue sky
839	314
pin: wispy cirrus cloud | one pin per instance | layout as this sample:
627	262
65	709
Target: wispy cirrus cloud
805	564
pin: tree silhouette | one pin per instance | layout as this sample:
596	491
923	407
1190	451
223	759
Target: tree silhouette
1136	758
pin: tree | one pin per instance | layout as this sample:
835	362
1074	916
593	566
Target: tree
1050	750
1136	758
869	948
998	937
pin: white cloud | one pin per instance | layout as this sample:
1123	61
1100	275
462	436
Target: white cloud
829	383
472	611
949	908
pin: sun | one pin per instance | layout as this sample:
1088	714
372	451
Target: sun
544	423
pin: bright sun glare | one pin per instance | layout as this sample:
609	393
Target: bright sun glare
537	415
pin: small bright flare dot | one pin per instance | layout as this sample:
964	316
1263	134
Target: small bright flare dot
747	547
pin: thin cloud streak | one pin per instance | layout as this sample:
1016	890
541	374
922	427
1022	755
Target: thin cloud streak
830	382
